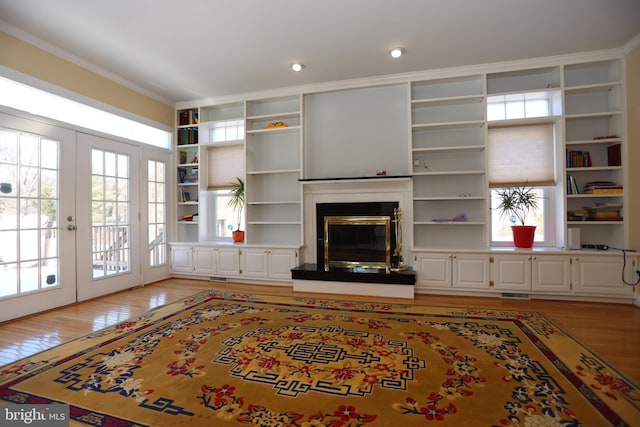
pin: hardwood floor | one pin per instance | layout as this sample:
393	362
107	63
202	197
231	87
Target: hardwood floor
611	330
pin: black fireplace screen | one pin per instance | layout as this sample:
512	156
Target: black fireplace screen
354	235
357	241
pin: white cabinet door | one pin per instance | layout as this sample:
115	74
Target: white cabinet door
204	260
228	260
601	276
273	264
512	273
254	263
434	271
551	274
281	261
182	259
471	271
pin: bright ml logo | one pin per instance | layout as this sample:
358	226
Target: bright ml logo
35	415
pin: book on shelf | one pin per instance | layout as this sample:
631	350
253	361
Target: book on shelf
602	187
187	136
188	117
614	155
602	214
188	217
572	185
579	159
185	196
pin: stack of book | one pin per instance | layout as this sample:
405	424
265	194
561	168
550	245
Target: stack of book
602	187
577	215
604	212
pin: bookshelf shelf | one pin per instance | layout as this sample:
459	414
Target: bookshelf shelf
449	149
448	101
448	125
453	172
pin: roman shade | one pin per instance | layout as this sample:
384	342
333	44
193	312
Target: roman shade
225	164
521	154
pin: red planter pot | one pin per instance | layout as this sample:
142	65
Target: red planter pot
238	236
523	235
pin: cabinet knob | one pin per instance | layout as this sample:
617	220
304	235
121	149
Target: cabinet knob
491	260
491	283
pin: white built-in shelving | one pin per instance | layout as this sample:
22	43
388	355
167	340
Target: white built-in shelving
273	160
448	162
594	125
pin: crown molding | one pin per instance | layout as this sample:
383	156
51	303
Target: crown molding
67	56
632	44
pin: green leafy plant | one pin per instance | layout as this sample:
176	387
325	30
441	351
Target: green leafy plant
237	199
517	201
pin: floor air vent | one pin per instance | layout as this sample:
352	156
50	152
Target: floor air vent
218	279
509	295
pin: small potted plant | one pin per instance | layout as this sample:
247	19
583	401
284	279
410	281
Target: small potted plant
516	202
237	204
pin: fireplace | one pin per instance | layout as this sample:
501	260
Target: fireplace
356	236
362	253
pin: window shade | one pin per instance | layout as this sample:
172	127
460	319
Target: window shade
225	164
521	154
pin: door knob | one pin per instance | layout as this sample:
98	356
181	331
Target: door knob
72	227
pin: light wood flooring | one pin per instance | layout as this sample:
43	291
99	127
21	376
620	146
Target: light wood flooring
611	330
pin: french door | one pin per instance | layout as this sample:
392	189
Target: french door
108	216
37	194
71	209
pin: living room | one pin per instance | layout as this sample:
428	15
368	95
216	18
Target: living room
334	149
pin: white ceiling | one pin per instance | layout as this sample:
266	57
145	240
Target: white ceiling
178	50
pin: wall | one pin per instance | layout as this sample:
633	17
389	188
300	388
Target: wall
633	145
28	59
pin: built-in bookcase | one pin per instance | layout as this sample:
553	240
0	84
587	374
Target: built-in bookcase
187	174
594	129
448	163
274	159
446	155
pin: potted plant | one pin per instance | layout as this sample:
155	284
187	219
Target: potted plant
237	204
516	202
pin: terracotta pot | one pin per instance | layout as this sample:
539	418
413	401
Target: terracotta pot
238	236
523	235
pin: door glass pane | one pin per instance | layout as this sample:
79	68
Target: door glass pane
155	213
29	201
110	213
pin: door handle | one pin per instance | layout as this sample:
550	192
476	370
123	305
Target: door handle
72	227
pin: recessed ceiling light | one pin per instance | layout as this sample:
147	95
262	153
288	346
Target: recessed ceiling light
397	52
297	67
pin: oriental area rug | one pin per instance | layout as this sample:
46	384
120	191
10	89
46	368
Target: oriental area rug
221	358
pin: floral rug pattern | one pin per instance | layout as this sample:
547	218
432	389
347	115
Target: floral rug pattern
223	358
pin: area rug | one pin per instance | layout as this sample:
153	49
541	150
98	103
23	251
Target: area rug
223	358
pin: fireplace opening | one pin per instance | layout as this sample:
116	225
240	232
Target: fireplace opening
357	237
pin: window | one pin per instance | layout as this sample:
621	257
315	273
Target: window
225	218
41	103
225	163
542	218
523	153
523	105
156	212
